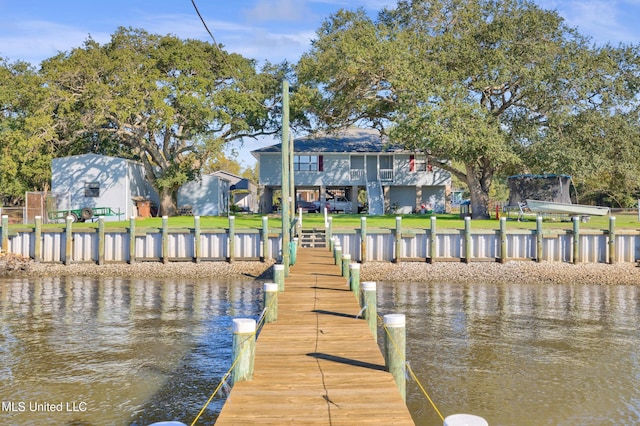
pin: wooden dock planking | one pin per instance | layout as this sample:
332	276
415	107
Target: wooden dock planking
317	364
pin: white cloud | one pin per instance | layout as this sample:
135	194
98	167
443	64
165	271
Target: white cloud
34	41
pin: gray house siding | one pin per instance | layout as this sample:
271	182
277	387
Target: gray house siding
92	180
207	196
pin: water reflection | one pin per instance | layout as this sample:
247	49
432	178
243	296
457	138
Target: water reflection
115	351
522	354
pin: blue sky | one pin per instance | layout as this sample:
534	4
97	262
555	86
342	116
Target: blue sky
275	30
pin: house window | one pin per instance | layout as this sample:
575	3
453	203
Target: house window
307	163
91	189
419	163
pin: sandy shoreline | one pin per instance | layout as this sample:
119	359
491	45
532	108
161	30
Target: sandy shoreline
478	272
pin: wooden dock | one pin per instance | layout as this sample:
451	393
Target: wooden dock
318	364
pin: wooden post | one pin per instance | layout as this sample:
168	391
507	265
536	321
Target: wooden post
363	239
346	260
503	239
101	241
285	177
271	302
464	420
265	238
197	240
395	348
369	302
244	349
294	250
337	254
278	276
433	240
332	244
467	239
232	238
68	252
330	230
613	258
165	239
354	281
132	240
398	238
5	233
37	244
576	240
539	238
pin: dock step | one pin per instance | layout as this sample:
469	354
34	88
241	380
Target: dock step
313	238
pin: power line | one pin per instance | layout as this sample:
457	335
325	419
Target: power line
224	58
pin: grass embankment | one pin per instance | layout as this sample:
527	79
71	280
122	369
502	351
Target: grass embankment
624	221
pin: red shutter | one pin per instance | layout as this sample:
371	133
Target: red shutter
412	163
320	164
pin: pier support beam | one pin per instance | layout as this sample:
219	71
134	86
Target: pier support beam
354	281
244	349
539	239
271	302
346	260
278	276
433	240
395	348
368	303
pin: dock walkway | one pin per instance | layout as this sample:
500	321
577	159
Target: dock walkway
317	364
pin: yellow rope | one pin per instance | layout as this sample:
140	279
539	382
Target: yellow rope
408	368
226	375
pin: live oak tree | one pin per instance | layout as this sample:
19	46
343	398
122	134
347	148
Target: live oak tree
26	136
476	85
167	102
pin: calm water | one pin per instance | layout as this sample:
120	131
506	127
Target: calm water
522	354
121	352
116	351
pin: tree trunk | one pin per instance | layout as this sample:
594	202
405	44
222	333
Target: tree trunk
479	194
167	202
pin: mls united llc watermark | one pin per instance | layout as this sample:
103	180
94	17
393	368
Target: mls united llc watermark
45	407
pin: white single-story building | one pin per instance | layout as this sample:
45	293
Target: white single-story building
93	182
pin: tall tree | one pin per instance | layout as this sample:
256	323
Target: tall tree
167	102
474	85
26	136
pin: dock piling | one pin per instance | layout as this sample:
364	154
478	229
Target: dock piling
244	349
395	348
271	302
368	302
278	276
354	281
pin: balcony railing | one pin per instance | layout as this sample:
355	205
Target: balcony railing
356	174
386	175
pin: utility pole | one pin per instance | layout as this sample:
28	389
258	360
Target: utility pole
286	196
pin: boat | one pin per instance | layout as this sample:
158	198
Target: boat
539	206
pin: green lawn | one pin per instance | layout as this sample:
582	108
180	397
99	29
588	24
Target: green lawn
626	221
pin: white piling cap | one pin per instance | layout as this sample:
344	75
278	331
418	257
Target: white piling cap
273	287
368	286
394	320
465	420
278	267
354	265
346	256
244	325
169	423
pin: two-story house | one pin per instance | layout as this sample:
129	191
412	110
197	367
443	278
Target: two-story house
352	160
